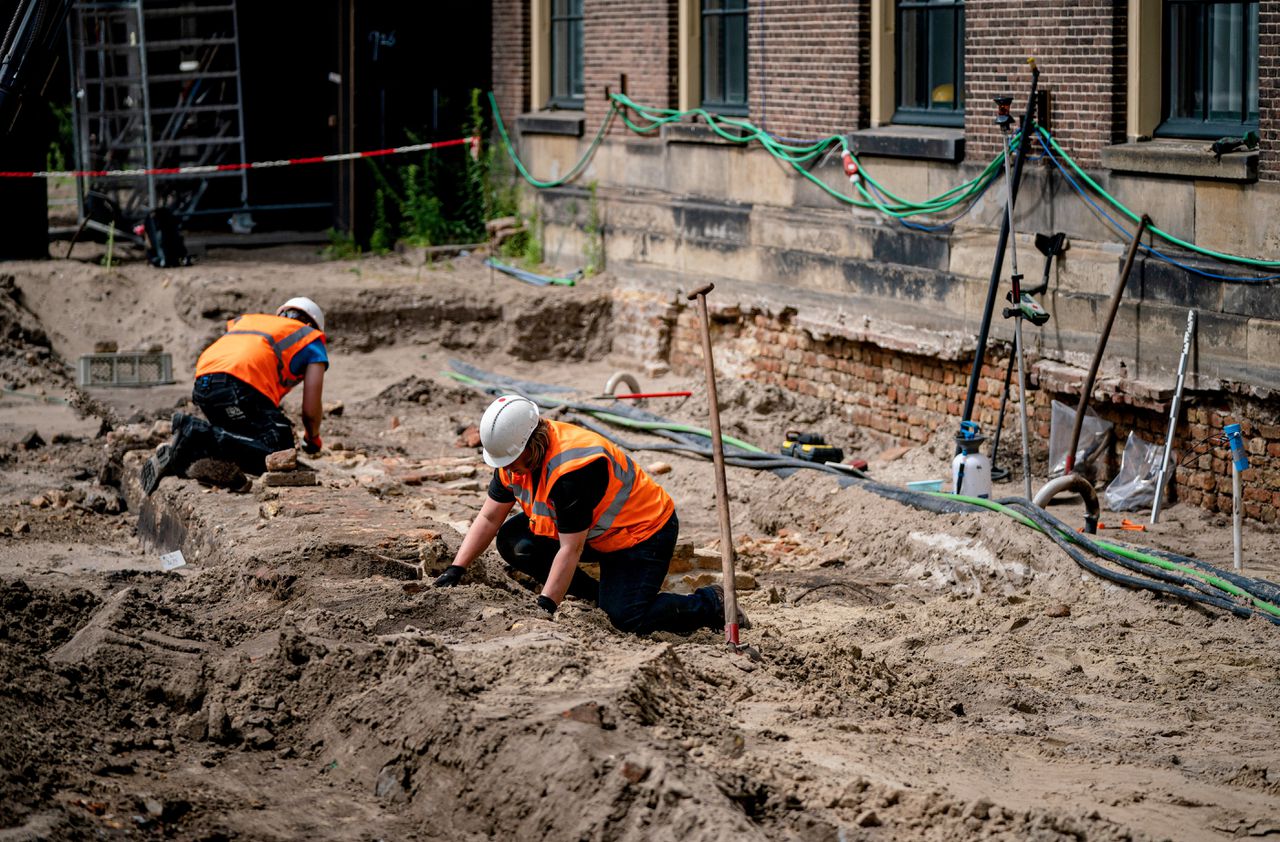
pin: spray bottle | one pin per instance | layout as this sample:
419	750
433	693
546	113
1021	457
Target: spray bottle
1239	464
971	469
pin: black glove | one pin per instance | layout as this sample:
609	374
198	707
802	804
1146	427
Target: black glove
311	447
451	576
547	604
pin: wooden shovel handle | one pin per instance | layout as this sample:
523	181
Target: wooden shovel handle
701	291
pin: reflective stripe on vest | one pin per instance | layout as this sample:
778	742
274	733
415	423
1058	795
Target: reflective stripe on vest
621	519
266	369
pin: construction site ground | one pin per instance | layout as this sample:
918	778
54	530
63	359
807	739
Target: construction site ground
922	676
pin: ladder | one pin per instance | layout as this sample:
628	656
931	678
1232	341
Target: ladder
156	85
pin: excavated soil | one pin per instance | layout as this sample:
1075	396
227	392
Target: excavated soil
921	676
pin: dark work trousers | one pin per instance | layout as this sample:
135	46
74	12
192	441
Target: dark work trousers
630	579
243	426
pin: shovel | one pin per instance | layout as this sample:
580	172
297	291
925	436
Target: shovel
722	488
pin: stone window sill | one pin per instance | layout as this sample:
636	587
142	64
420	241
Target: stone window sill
1187	158
567	123
936	143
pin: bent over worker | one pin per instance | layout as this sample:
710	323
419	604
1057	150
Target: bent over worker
240	381
581	499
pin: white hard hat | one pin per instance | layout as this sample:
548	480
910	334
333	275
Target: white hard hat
307	306
505	429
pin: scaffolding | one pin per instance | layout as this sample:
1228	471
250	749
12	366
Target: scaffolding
156	85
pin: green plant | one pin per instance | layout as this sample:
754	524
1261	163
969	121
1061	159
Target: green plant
111	246
61	147
342	246
593	249
443	199
381	240
533	243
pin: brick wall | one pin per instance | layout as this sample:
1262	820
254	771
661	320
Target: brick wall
1081	50
809	66
909	398
511	73
635	37
1269	89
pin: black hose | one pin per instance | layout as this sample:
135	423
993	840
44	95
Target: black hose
1091	544
1260	588
756	461
1164	581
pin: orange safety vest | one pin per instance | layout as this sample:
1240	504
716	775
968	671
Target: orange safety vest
633	508
257	349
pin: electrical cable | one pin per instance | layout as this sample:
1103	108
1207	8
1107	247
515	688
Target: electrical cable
1159	255
1119	206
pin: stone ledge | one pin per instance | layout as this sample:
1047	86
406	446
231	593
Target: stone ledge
568	123
1185	158
1068	379
928	142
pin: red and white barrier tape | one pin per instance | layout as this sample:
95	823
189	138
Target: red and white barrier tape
256	165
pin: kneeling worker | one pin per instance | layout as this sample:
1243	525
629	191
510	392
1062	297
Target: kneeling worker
240	381
581	498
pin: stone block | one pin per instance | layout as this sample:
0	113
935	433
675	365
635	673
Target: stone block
700	170
289	479
1089	268
1170	202
551	156
908	179
283	460
1263	349
1238	219
757	178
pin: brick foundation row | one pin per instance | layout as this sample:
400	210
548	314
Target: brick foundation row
903	398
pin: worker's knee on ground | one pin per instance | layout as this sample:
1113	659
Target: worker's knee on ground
515	547
628	620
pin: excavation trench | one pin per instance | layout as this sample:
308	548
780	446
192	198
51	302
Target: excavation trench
925	675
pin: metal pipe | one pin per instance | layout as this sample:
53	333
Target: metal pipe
1239	463
1237	518
1116	295
1173	416
1073	482
1001	243
1016	279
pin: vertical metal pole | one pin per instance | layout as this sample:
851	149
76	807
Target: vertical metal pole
1017	327
1237	517
244	155
1028	122
146	104
722	487
1162	477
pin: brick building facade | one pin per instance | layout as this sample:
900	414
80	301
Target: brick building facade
876	316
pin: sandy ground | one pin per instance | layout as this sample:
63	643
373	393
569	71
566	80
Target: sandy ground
923	676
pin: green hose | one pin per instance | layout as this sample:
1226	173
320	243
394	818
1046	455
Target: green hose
1167	237
1133	555
569	176
744	132
621	420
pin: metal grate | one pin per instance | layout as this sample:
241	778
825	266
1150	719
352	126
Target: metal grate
126	368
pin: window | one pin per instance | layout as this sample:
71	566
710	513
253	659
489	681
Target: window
929	65
1211	68
724	56
566	54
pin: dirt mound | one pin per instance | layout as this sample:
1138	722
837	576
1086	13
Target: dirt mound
417	390
27	357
